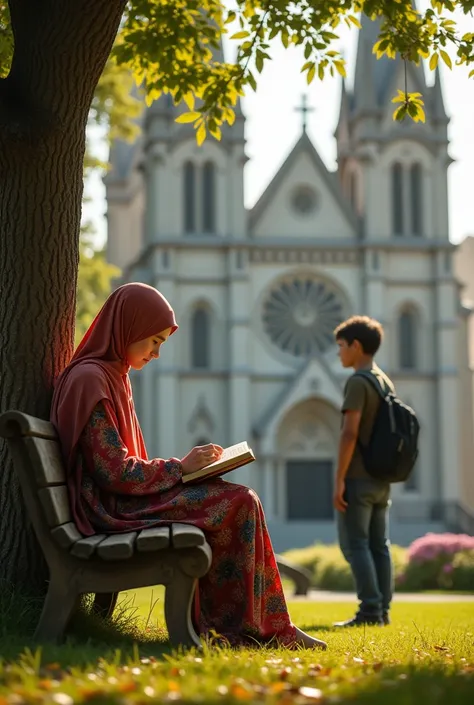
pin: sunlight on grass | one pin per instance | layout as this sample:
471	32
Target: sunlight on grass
427	654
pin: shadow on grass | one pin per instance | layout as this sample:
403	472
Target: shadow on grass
88	636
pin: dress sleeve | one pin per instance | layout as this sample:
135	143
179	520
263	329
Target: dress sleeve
110	465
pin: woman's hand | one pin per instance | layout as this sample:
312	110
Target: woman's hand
199	457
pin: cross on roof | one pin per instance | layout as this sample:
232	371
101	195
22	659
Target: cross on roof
304	110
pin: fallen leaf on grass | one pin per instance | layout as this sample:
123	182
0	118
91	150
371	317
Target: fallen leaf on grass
311	693
440	648
127	687
62	699
276	688
241	691
45	684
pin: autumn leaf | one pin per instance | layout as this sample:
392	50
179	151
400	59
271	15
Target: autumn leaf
311	693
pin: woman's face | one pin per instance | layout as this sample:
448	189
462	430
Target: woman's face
141	352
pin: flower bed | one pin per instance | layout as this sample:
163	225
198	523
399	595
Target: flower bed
439	561
432	562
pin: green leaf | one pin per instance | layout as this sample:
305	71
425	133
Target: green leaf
188	117
340	68
400	113
471	73
433	61
251	80
446	58
259	62
240	35
311	74
216	132
354	21
307	50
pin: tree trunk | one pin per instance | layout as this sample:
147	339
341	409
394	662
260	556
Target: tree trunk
61	47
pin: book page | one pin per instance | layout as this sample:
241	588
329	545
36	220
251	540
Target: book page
229	453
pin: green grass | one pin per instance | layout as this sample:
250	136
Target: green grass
427	654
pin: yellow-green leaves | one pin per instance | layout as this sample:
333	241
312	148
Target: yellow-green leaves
446	58
189	117
411	104
433	61
174	46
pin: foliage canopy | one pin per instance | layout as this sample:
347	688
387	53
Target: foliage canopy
168	45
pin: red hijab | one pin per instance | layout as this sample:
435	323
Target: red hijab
99	370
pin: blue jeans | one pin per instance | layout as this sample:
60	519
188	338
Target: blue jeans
363	538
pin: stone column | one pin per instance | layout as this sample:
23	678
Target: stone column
447	431
153	195
238	355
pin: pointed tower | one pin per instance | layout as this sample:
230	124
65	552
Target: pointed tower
395	175
386	193
187	186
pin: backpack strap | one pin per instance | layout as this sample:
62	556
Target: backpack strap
367	374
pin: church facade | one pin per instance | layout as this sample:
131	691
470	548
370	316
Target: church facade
258	294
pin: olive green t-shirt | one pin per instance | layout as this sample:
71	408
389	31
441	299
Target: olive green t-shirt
361	395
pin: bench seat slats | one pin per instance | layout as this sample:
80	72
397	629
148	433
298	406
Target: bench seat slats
86	547
117	547
186	536
66	535
46	461
155	539
55	503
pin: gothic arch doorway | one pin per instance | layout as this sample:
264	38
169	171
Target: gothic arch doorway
307	448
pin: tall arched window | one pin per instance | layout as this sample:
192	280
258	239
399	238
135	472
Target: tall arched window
189	197
209	198
407	330
416	198
398	217
200	341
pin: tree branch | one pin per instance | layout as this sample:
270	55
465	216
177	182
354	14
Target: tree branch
60	50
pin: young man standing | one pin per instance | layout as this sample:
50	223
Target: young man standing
361	501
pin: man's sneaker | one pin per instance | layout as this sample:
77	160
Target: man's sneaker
386	618
361	620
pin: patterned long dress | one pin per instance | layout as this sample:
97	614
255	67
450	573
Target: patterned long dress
241	597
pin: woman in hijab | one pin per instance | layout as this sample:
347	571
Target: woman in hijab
115	487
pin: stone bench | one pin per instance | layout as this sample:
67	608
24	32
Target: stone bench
174	556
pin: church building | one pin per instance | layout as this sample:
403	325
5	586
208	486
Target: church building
258	293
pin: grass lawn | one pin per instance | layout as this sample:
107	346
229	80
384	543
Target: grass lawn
427	654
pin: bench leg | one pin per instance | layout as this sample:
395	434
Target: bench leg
178	608
57	610
104	604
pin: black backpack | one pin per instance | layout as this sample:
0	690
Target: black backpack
393	447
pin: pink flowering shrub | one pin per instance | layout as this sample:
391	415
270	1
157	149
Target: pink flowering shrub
437	561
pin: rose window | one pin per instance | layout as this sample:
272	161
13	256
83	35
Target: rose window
300	315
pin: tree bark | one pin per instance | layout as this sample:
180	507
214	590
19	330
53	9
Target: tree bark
61	47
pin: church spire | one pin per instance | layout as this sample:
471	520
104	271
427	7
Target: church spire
365	95
437	101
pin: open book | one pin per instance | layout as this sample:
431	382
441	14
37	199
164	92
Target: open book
233	457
